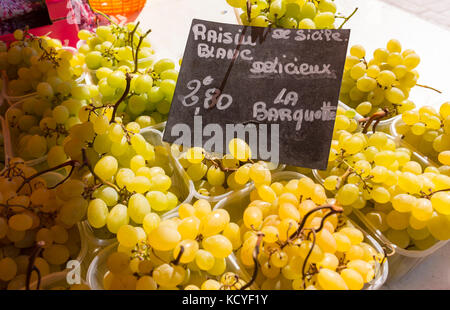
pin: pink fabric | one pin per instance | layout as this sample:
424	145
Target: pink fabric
16	8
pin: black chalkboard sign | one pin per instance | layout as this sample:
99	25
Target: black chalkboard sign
276	88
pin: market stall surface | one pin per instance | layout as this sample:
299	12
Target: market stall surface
374	24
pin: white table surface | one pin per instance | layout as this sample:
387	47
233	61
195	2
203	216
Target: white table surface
372	26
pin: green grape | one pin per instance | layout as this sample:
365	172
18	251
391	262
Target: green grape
117	217
324	20
157	200
138	208
106	167
163	65
97	213
164	238
155	94
127	236
93	60
107	194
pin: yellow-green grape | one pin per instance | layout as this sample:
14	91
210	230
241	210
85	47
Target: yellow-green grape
127	236
190	248
439	226
195	155
347	194
117	217
352	278
146	283
169	276
214	223
253	217
398	237
331	280
218	245
164	238
219	267
106	167
215	176
189	227
197	171
239	149
150	222
8	269
441	202
157	200
56	254
97	213
20	222
211	284
118	262
242	175
138	208
204	260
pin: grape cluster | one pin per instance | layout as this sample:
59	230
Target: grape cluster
302	14
409	203
34	217
382	83
129	177
112	52
303	241
215	175
428	131
39	122
188	251
39	64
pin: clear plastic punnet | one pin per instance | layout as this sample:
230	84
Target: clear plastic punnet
401	261
78	265
98	268
13	99
236	203
180	182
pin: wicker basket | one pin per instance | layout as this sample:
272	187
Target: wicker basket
117	7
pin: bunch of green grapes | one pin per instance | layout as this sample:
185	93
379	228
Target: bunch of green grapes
429	132
129	177
32	214
409	203
112	52
39	124
188	251
216	175
303	240
296	14
31	63
384	82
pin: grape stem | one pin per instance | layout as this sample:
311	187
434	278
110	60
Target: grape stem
428	196
429	87
31	267
376	117
308	255
333	209
255	261
128	78
346	19
102	14
96	176
136	58
344	177
249	11
72	163
176	261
